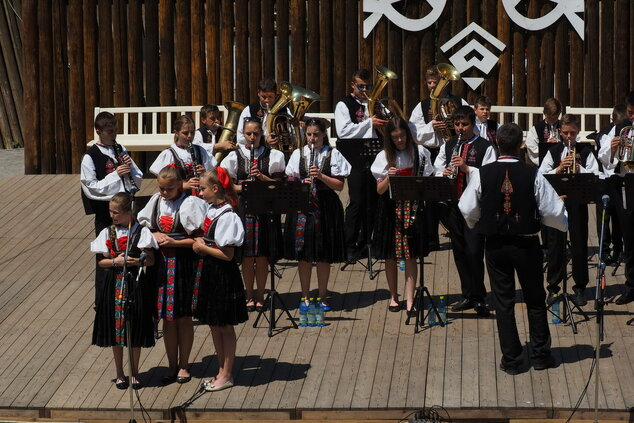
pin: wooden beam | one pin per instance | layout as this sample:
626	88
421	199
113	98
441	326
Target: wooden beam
76	93
591	55
326	56
32	139
166	64
281	68
91	65
120	30
226	50
46	112
298	42
255	48
606	70
352	35
340	79
242	51
106	55
183	51
212	52
313	63
267	19
198	74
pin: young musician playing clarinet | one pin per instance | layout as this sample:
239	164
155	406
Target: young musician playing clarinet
191	160
400	228
612	163
354	120
559	159
254	161
106	169
316	237
504	199
457	159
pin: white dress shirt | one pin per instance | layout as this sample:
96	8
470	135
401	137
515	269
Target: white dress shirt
104	189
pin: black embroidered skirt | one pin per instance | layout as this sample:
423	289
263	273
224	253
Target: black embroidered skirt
325	243
221	299
175	282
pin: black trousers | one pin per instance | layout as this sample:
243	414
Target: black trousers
611	236
504	257
468	252
361	208
625	217
578	233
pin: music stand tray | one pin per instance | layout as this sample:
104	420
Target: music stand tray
579	188
360	153
271	198
422	188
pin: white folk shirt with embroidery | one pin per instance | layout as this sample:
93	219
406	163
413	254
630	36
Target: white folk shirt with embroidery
551	208
229	229
277	164
404	160
191	211
104	189
547	166
166	157
339	166
99	245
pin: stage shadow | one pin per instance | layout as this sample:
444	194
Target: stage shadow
581	352
253	370
348	301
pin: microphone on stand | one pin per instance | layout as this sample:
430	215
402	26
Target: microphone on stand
142	259
605	200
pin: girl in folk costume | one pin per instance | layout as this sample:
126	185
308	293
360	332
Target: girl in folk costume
399	234
173	216
254	161
191	160
222	300
109	329
317	236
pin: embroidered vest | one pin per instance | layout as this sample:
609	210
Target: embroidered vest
177	229
104	165
583	151
324	168
475	154
508	199
187	172
356	110
133	239
242	173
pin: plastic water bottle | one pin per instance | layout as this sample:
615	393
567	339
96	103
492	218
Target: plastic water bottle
442	309
401	265
312	311
319	314
303	313
431	316
556	310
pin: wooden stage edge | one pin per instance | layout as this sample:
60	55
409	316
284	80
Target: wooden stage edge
511	415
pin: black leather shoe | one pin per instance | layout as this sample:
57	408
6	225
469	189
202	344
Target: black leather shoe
578	298
545	363
122	384
510	370
183	379
608	260
482	310
464	304
394	308
626	298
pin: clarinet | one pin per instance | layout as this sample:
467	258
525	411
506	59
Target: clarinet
118	152
419	172
195	162
312	163
251	161
455	152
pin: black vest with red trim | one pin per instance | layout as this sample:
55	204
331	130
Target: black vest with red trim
356	109
582	150
508	205
263	164
104	165
475	153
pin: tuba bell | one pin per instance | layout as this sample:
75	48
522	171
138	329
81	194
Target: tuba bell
625	152
286	126
230	128
384	108
442	108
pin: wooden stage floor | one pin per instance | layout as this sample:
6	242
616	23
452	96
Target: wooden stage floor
365	364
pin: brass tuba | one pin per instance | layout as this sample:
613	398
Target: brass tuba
377	106
286	126
625	152
441	107
230	128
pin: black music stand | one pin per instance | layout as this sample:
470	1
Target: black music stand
360	153
429	189
579	188
628	201
271	198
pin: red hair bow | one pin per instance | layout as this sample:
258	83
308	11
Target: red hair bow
172	165
223	177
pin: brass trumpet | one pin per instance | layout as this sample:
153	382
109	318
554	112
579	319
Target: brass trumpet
572	149
230	128
625	152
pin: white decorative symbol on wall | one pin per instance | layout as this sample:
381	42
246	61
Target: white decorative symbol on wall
567	8
473	54
380	8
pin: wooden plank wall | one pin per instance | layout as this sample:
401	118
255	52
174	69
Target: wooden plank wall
212	51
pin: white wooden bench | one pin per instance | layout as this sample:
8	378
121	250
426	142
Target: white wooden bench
149	137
